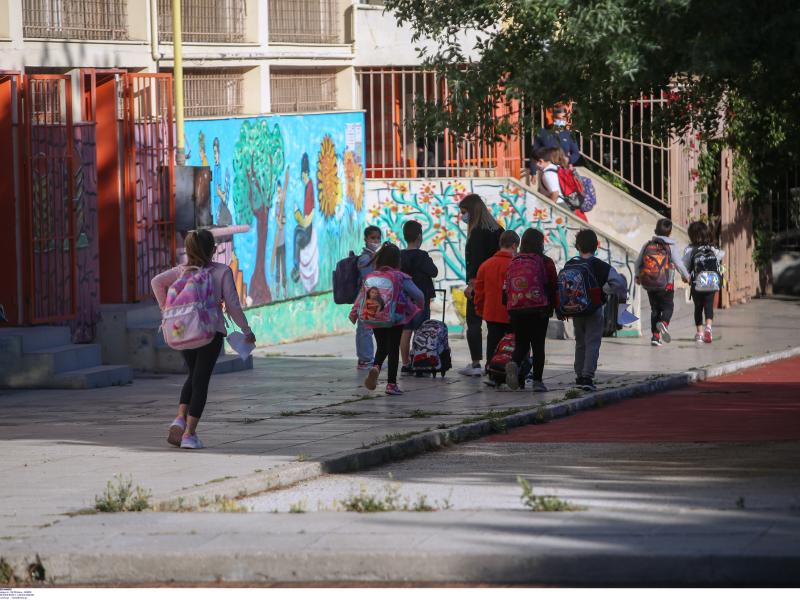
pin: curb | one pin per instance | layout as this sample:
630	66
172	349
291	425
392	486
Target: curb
358	460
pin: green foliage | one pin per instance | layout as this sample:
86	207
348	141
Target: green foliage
391	500
258	163
542	503
121	496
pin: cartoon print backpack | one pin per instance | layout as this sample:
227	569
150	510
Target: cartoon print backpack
705	269
190	312
502	356
382	302
346	280
526	283
656	263
571	188
430	350
579	293
589	195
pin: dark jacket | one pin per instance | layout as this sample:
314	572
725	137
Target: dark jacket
481	246
550	138
419	265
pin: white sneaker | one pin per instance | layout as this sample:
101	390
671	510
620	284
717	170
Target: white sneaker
471	371
698	337
663	328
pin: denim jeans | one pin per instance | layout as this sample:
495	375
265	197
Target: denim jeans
364	347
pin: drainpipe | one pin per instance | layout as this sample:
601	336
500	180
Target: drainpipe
154	52
177	74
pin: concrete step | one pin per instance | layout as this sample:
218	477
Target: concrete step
93	377
68	357
38	337
231	363
167	360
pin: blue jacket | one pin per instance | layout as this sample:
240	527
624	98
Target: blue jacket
550	138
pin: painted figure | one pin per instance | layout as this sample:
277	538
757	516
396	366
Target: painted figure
306	256
372	305
278	262
221	189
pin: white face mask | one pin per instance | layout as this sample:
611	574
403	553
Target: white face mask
560	123
373	246
465	217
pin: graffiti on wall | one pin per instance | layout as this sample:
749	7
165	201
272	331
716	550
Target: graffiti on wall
434	203
291	189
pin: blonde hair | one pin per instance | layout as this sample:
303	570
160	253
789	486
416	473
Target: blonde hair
479	215
200	246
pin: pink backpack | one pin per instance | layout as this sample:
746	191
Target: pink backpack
382	301
526	283
190	311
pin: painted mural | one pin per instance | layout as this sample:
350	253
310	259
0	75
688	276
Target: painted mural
290	192
434	203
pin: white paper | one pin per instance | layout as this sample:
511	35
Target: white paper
624	316
240	345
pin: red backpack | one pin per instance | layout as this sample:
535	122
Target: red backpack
526	283
571	187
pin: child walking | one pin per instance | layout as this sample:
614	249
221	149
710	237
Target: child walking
531	286
419	266
200	247
488	292
364	348
704	261
596	278
655	267
401	301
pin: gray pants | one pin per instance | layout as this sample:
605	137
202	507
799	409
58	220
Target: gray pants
588	336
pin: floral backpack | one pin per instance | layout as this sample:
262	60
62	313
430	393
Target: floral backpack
382	301
190	311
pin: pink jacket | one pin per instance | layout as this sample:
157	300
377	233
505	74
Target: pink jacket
224	291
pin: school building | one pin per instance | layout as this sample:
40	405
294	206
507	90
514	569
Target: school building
297	119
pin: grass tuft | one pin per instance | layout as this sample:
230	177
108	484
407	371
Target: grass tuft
542	503
121	496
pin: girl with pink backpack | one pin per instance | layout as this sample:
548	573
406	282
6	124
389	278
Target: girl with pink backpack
190	297
388	300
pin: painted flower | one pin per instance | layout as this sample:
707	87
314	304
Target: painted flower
375	212
559	220
540	214
407	209
437	211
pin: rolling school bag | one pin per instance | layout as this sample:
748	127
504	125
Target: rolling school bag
496	369
430	350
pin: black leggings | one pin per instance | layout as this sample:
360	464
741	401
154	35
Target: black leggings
474	332
703	301
201	363
387	340
530	332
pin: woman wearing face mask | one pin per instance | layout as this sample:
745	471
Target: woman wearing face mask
483	241
557	136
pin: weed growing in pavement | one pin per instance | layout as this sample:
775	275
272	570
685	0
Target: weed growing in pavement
177	505
540	416
297	508
389	501
542	503
221	504
572	394
7	575
219	479
301	457
346	413
423	414
492	415
394	437
121	496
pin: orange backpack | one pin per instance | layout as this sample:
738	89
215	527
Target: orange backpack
656	263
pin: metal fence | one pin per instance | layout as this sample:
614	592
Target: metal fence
75	19
304	22
301	91
213	92
210	21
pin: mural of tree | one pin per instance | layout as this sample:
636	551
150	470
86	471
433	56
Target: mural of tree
328	185
258	163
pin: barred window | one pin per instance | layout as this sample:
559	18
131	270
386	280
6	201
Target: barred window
213	92
75	19
209	21
303	91
304	22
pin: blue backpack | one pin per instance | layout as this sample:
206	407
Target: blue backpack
579	293
589	195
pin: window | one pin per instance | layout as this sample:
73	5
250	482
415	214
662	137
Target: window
303	91
304	22
75	19
209	21
213	92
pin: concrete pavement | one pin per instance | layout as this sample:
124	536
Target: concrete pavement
274	425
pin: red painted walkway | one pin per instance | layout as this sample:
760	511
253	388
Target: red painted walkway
757	405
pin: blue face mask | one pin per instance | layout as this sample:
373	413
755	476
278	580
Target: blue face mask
560	123
465	217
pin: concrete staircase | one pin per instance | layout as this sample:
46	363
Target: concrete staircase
130	333
44	357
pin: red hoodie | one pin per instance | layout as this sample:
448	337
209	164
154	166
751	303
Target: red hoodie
488	287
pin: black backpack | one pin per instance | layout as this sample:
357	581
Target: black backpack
346	280
704	259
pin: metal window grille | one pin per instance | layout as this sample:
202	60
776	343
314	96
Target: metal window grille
393	150
304	22
210	21
297	91
75	19
213	93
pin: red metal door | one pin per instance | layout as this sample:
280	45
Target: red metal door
49	210
10	233
148	179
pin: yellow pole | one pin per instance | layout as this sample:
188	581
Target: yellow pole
177	74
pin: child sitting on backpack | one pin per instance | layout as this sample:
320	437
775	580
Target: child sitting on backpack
655	267
488	292
406	301
419	266
597	277
372	242
531	287
200	247
704	261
